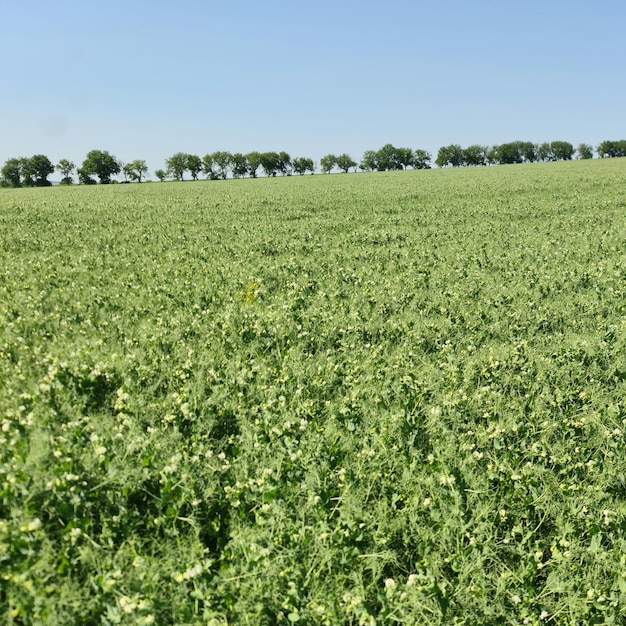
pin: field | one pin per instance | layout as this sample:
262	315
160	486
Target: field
390	398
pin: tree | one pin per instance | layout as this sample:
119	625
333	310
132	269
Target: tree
28	172
584	151
450	155
101	164
136	170
270	162
239	165
327	163
222	161
544	152
38	168
401	158
421	159
562	150
612	149
194	165
66	167
390	158
208	167
508	153
475	155
160	174
302	165
84	177
369	161
285	165
528	151
177	165
254	163
344	162
12	172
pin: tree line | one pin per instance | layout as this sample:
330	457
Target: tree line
524	152
34	171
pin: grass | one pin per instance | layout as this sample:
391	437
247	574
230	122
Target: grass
362	399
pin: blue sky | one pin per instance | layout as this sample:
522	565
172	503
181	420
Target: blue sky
146	79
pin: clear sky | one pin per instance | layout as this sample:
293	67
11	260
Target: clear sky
145	79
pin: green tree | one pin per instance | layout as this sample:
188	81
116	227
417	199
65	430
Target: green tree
507	153
528	151
327	163
177	165
160	174
136	170
66	167
388	158
544	152
254	163
402	158
302	165
270	162
101	164
125	171
28	172
208	167
562	150
239	165
222	161
612	149
12	172
584	151
84	177
285	166
344	162
475	155
421	159
452	155
369	161
39	167
194	165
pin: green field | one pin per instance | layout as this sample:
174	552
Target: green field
350	399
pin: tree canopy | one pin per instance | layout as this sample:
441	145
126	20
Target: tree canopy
101	164
35	170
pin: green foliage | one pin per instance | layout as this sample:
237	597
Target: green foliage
612	149
101	164
160	174
452	155
562	150
394	398
475	155
27	172
222	161
369	161
239	165
12	172
421	159
40	167
177	165
344	162
270	162
302	165
584	151
285	166
66	167
136	170
194	165
327	163
254	163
